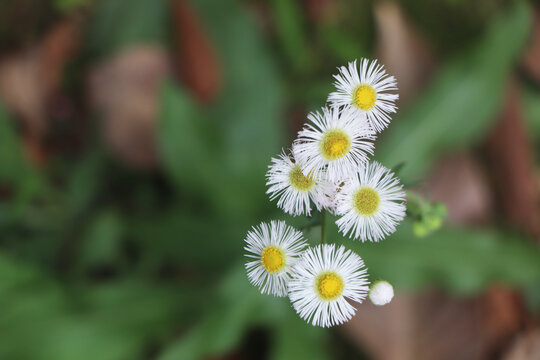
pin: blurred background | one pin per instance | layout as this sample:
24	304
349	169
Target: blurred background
134	139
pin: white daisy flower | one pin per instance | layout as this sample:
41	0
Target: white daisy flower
336	138
372	204
286	180
322	282
275	247
381	293
366	91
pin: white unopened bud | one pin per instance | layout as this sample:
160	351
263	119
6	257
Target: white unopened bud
381	293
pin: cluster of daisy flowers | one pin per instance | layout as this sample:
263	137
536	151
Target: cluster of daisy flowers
328	166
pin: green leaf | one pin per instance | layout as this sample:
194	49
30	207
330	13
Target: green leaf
296	339
46	320
101	244
85	182
531	102
289	23
189	239
461	104
190	154
340	41
185	147
230	142
234	309
13	166
249	112
16	173
65	6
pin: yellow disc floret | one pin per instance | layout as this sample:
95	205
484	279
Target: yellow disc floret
329	285
273	259
299	180
365	97
335	144
366	201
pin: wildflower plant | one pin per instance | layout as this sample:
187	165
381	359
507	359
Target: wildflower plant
329	167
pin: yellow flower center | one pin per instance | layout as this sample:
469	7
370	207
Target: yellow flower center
365	97
366	201
335	144
299	180
273	259
329	285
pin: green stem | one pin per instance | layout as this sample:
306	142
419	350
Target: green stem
323	226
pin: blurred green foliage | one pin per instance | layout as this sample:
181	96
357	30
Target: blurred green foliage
531	102
101	261
65	6
121	23
460	104
453	24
